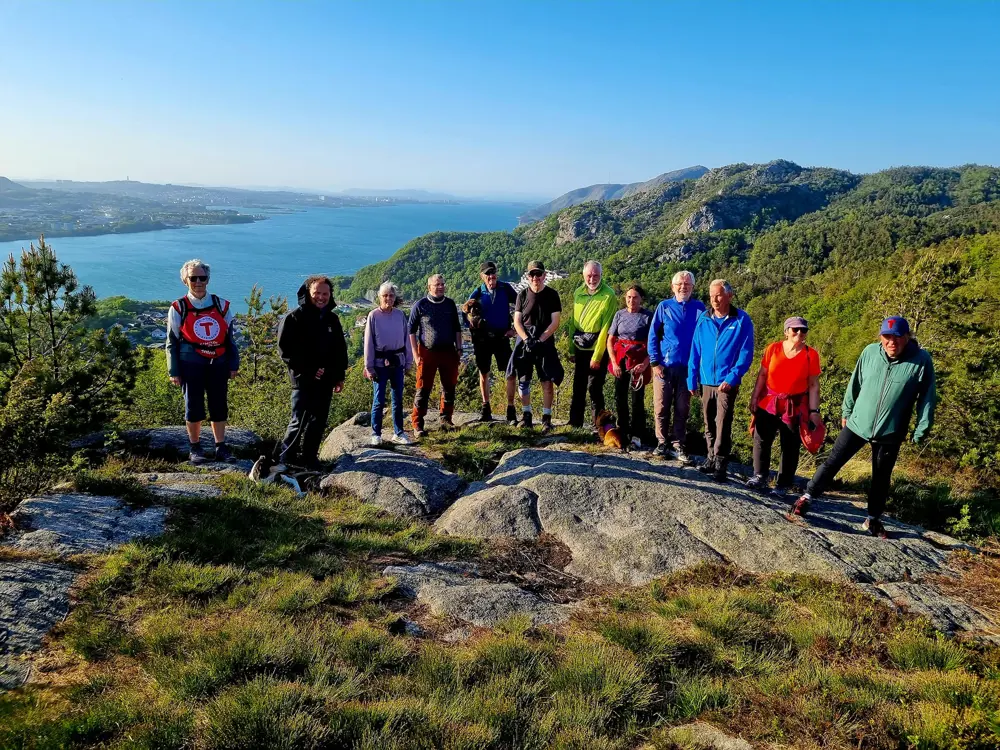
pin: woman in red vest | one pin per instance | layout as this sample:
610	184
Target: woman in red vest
202	357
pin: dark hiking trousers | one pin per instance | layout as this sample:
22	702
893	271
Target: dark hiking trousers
671	400
631	407
586	380
884	457
310	411
717	409
766	427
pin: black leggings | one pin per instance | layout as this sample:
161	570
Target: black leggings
627	399
883	461
766	427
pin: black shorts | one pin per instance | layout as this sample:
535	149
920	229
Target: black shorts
488	349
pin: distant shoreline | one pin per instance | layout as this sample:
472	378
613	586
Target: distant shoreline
155	226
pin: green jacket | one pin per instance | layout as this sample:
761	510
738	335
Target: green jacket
881	394
591	321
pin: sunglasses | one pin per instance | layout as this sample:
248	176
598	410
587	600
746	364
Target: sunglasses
536	274
800	330
197	278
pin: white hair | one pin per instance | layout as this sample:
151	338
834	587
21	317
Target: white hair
594	264
681	275
723	283
434	276
188	267
388	286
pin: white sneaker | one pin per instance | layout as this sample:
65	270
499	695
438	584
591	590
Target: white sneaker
376	440
636	443
403	439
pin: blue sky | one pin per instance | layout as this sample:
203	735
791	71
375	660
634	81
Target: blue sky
488	98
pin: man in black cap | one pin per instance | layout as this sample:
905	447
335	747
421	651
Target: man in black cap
891	377
491	332
536	319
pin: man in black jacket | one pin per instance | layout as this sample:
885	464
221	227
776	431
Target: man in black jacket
311	343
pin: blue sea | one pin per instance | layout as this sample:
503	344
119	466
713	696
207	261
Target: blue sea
277	253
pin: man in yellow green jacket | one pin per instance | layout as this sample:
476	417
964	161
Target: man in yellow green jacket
594	307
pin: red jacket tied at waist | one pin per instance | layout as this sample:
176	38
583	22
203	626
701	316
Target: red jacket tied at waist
634	353
792	408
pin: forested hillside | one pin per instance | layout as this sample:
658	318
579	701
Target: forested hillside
762	225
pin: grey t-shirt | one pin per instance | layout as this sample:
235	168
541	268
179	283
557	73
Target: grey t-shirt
632	326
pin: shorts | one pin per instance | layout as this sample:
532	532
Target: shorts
489	349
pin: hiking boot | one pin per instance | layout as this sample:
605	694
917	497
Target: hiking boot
546	423
222	452
376	440
801	506
485	414
679	453
720	475
526	420
512	415
874	527
197	455
420	433
707	466
401	439
757	482
446	423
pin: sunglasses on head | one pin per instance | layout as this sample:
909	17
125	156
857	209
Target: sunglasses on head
197	278
536	274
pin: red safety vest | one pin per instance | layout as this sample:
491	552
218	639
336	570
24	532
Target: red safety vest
204	329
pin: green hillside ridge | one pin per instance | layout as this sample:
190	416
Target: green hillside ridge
759	223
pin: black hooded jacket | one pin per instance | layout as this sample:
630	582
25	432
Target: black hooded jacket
309	340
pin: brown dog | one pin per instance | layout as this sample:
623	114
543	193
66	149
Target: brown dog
607	430
474	312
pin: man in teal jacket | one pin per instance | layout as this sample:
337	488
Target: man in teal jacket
891	377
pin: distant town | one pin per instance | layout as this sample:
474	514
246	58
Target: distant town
64	208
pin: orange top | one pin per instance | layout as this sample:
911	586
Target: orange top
790	376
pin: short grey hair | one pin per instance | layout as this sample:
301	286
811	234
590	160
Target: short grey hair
681	275
595	264
434	276
723	283
388	286
192	264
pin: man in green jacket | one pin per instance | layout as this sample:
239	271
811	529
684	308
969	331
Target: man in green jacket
891	377
594	307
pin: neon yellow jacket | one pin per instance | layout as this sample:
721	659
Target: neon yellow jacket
592	314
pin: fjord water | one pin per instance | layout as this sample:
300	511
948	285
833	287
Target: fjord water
277	253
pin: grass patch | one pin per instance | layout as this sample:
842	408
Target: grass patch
474	451
260	619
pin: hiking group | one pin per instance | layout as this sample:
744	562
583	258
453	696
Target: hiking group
682	349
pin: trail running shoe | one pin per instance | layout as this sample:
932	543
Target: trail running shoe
662	451
375	440
222	452
681	455
401	439
197	455
446	423
707	466
779	493
421	433
636	443
757	482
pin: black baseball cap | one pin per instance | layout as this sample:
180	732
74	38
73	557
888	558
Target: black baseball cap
488	267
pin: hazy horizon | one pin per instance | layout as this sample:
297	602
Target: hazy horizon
520	100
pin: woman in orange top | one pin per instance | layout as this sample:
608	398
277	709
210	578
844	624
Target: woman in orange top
786	392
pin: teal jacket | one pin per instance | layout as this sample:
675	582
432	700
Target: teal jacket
881	394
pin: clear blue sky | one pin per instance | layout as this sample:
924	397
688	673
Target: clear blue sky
488	97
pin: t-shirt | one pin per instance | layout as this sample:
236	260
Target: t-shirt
790	376
536	308
631	326
435	323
